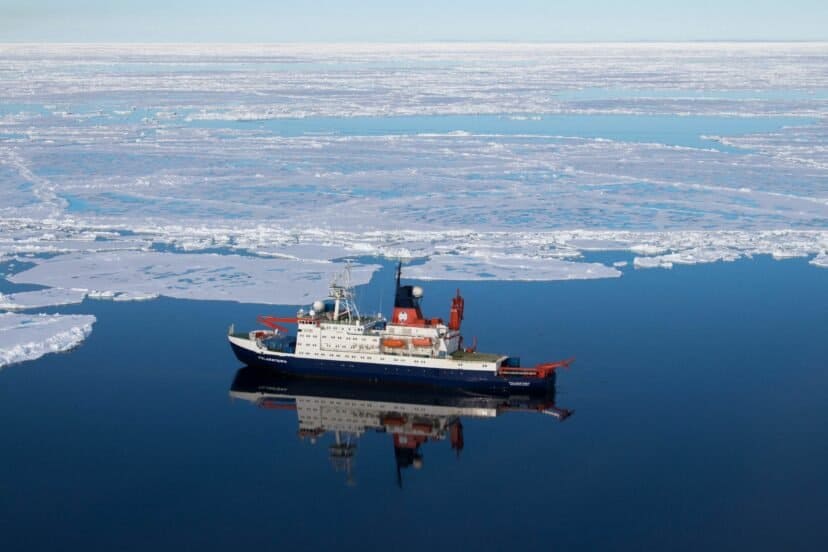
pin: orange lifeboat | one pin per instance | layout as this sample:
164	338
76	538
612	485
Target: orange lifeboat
421	342
393	343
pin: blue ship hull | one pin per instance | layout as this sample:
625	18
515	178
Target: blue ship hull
472	380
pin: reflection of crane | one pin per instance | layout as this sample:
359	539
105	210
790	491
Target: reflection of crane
342	456
347	410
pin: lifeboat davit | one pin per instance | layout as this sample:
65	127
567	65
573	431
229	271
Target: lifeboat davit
422	342
393	343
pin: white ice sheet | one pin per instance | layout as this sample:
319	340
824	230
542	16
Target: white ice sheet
453	267
41	298
143	274
27	337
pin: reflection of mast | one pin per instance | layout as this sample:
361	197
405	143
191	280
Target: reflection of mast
407	453
410	432
342	456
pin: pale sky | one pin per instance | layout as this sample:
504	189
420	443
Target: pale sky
410	21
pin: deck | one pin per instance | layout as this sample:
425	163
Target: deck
475	356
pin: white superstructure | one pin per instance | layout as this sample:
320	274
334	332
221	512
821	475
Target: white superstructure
333	330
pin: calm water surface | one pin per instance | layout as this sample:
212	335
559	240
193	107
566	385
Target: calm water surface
688	131
700	416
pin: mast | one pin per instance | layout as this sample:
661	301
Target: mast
342	292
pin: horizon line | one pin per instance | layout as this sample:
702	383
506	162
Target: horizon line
437	41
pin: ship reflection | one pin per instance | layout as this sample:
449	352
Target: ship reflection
412	417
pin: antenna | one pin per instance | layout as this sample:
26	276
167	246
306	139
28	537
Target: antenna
352	292
382	292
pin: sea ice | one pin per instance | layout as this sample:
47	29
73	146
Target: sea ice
652	262
820	260
41	298
453	267
99	161
27	337
138	275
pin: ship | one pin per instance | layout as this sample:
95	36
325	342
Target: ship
342	412
333	340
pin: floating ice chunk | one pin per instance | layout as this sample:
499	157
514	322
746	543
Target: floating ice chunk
454	267
41	298
121	296
782	254
589	244
101	295
619	264
652	262
647	249
133	296
133	275
27	337
820	260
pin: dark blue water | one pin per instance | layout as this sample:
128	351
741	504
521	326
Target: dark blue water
700	398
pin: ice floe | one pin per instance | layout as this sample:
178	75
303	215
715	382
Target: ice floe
820	260
452	267
121	296
652	262
137	275
27	337
49	297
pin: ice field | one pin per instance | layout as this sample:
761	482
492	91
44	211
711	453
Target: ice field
249	173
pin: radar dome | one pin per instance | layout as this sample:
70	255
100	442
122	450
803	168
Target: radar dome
319	306
417	291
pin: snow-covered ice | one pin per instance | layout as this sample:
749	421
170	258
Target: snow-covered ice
137	275
820	260
27	337
652	262
120	296
453	267
246	178
40	298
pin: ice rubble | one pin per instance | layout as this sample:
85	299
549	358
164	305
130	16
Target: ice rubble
272	265
27	337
